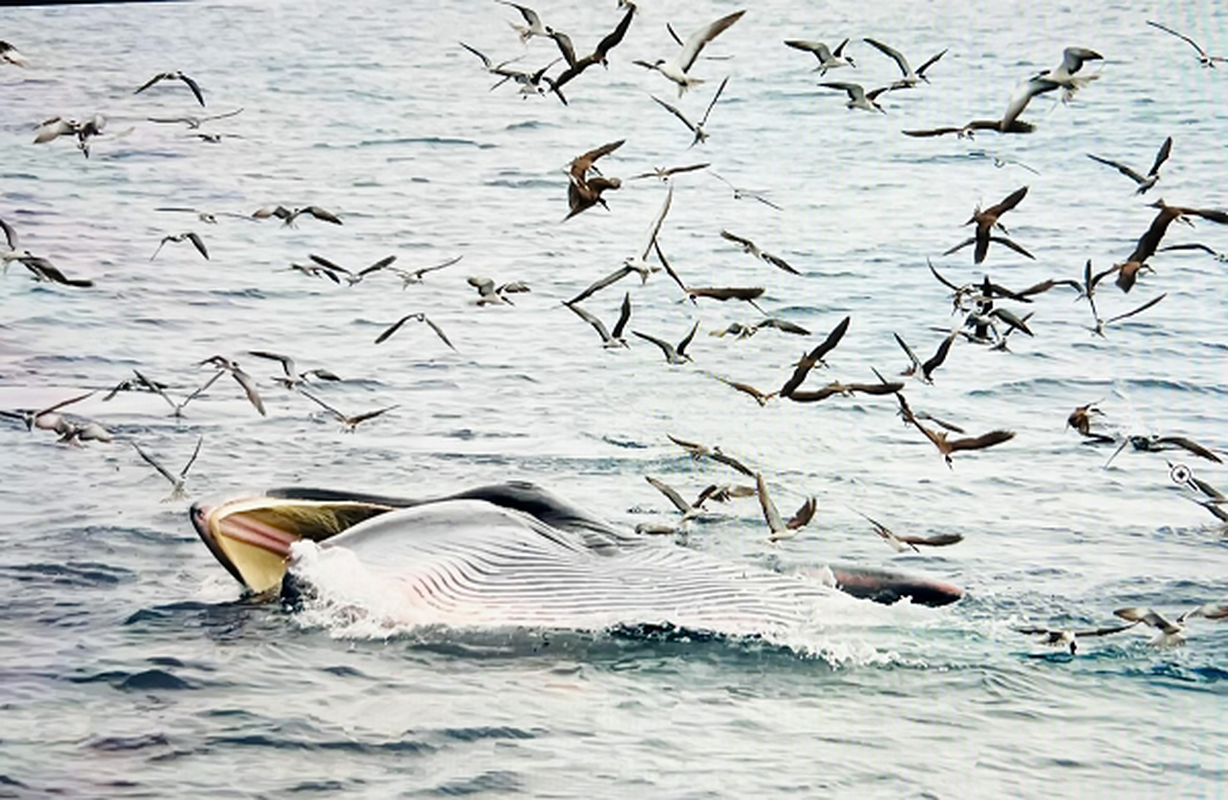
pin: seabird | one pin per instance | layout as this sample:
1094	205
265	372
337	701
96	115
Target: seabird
779	529
190	236
699	451
696	128
1066	637
740	194
224	364
9	55
194	122
1060	77
844	390
599	55
815	356
288	217
10	235
608	339
1101	324
1170	633
676	500
160	390
968	130
858	96
673	355
1156	444
760	397
676	68
291	377
1204	58
828	59
348	423
986	221
910	77
44	270
924	369
351	277
583	191
638	262
489	294
1081	420
1147	181
175	76
665	173
750	247
177	480
417	317
84	131
903	544
534	26
409	276
947	447
44	418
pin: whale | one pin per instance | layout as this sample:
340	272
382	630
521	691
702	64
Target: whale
516	555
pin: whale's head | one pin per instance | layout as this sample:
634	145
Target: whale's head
251	536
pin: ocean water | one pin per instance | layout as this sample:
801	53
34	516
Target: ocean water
133	666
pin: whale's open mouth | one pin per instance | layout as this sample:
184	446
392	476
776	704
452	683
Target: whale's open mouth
251	536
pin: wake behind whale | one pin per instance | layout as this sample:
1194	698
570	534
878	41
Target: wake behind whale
515	556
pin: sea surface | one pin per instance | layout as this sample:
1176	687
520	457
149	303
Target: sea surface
131	664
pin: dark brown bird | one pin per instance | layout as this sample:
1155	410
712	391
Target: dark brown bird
1081	420
1147	181
584	192
845	390
778	528
949	446
44	270
599	55
698	451
814	357
986	221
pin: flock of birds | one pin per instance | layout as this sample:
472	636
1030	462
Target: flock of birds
990	312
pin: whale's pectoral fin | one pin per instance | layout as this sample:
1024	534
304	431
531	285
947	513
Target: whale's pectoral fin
251	536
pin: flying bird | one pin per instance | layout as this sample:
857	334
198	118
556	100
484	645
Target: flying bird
189	236
815	356
677	69
608	338
750	247
1063	77
348	422
600	53
417	317
10	55
177	479
858	96
1204	58
288	216
1067	637
697	128
699	451
986	221
828	58
1147	181
924	369
175	76
910	77
673	354
244	380
778	528
291	377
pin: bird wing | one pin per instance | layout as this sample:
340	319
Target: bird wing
677	113
337	414
377	266
657	222
602	283
321	214
366	415
686	340
198	243
1182	36
287	363
597	324
703	120
893	54
1148	617
624	315
666	347
745	243
151	461
614	37
855	91
802	517
183	473
671	493
195	87
669	270
929	63
394	327
324	262
1122	168
775	524
1191	446
982	441
249	388
63	403
1165	150
908	351
1010	201
1138	310
485	60
779	263
151	82
1018	248
10	235
697	40
438	331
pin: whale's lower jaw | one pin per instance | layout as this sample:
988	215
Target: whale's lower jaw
514	555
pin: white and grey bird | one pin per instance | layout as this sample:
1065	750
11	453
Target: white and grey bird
696	128
348	422
417	316
1204	58
858	96
187	236
291	377
609	338
175	76
673	354
677	68
828	58
778	528
177	479
910	77
1147	181
1063	77
533	23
